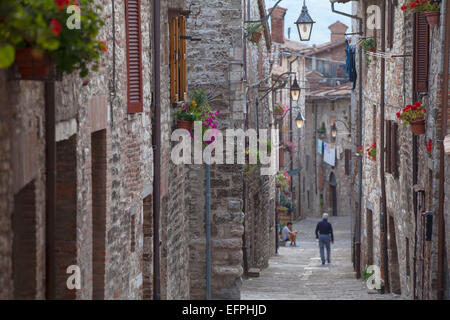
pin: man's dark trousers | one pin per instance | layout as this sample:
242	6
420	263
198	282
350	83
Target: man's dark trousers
324	241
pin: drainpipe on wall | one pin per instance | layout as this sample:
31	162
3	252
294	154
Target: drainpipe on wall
208	230
445	34
157	151
50	187
384	213
360	119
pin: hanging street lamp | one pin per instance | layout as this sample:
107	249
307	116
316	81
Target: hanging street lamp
334	131
295	90
304	24
300	120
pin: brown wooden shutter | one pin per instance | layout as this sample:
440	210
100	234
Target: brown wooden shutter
395	150
173	60
182	59
388	146
348	156
390	22
421	50
134	55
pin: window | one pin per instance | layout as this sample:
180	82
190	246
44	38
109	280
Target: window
348	159
391	153
390	22
134	56
178	69
388	127
394	150
421	49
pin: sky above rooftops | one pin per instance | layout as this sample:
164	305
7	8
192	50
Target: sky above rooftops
319	10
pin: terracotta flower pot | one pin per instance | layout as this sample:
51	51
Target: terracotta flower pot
182	124
30	65
255	37
418	126
432	17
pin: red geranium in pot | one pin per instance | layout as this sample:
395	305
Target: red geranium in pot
415	116
429	8
37	34
373	152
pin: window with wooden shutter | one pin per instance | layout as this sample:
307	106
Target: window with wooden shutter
390	22
178	66
348	158
421	50
394	150
388	149
134	55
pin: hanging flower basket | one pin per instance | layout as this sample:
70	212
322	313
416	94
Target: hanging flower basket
282	210
279	110
418	126
432	17
31	65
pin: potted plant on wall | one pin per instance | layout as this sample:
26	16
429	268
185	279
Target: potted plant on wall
372	152
369	45
35	34
415	116
429	8
254	32
197	109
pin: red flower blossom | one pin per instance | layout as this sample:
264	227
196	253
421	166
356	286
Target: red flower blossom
429	146
398	115
103	46
61	4
56	27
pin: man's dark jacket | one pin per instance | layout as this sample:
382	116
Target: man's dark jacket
324	227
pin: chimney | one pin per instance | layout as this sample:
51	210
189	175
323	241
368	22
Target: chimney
277	22
338	30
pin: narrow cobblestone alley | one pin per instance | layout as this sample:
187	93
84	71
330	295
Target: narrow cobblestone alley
296	273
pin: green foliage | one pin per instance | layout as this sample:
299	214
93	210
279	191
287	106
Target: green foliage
369	44
365	274
6	55
253	28
42	25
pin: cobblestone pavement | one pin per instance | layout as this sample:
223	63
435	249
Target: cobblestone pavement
298	274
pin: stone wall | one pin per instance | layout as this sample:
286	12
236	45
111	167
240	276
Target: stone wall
406	226
317	174
217	62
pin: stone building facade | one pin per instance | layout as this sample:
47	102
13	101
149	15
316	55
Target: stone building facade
287	58
327	184
398	236
105	167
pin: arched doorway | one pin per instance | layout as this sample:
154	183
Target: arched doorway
333	194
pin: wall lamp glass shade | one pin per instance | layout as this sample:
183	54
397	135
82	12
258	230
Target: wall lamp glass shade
300	120
295	91
304	24
334	131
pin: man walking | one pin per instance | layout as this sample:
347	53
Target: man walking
324	232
